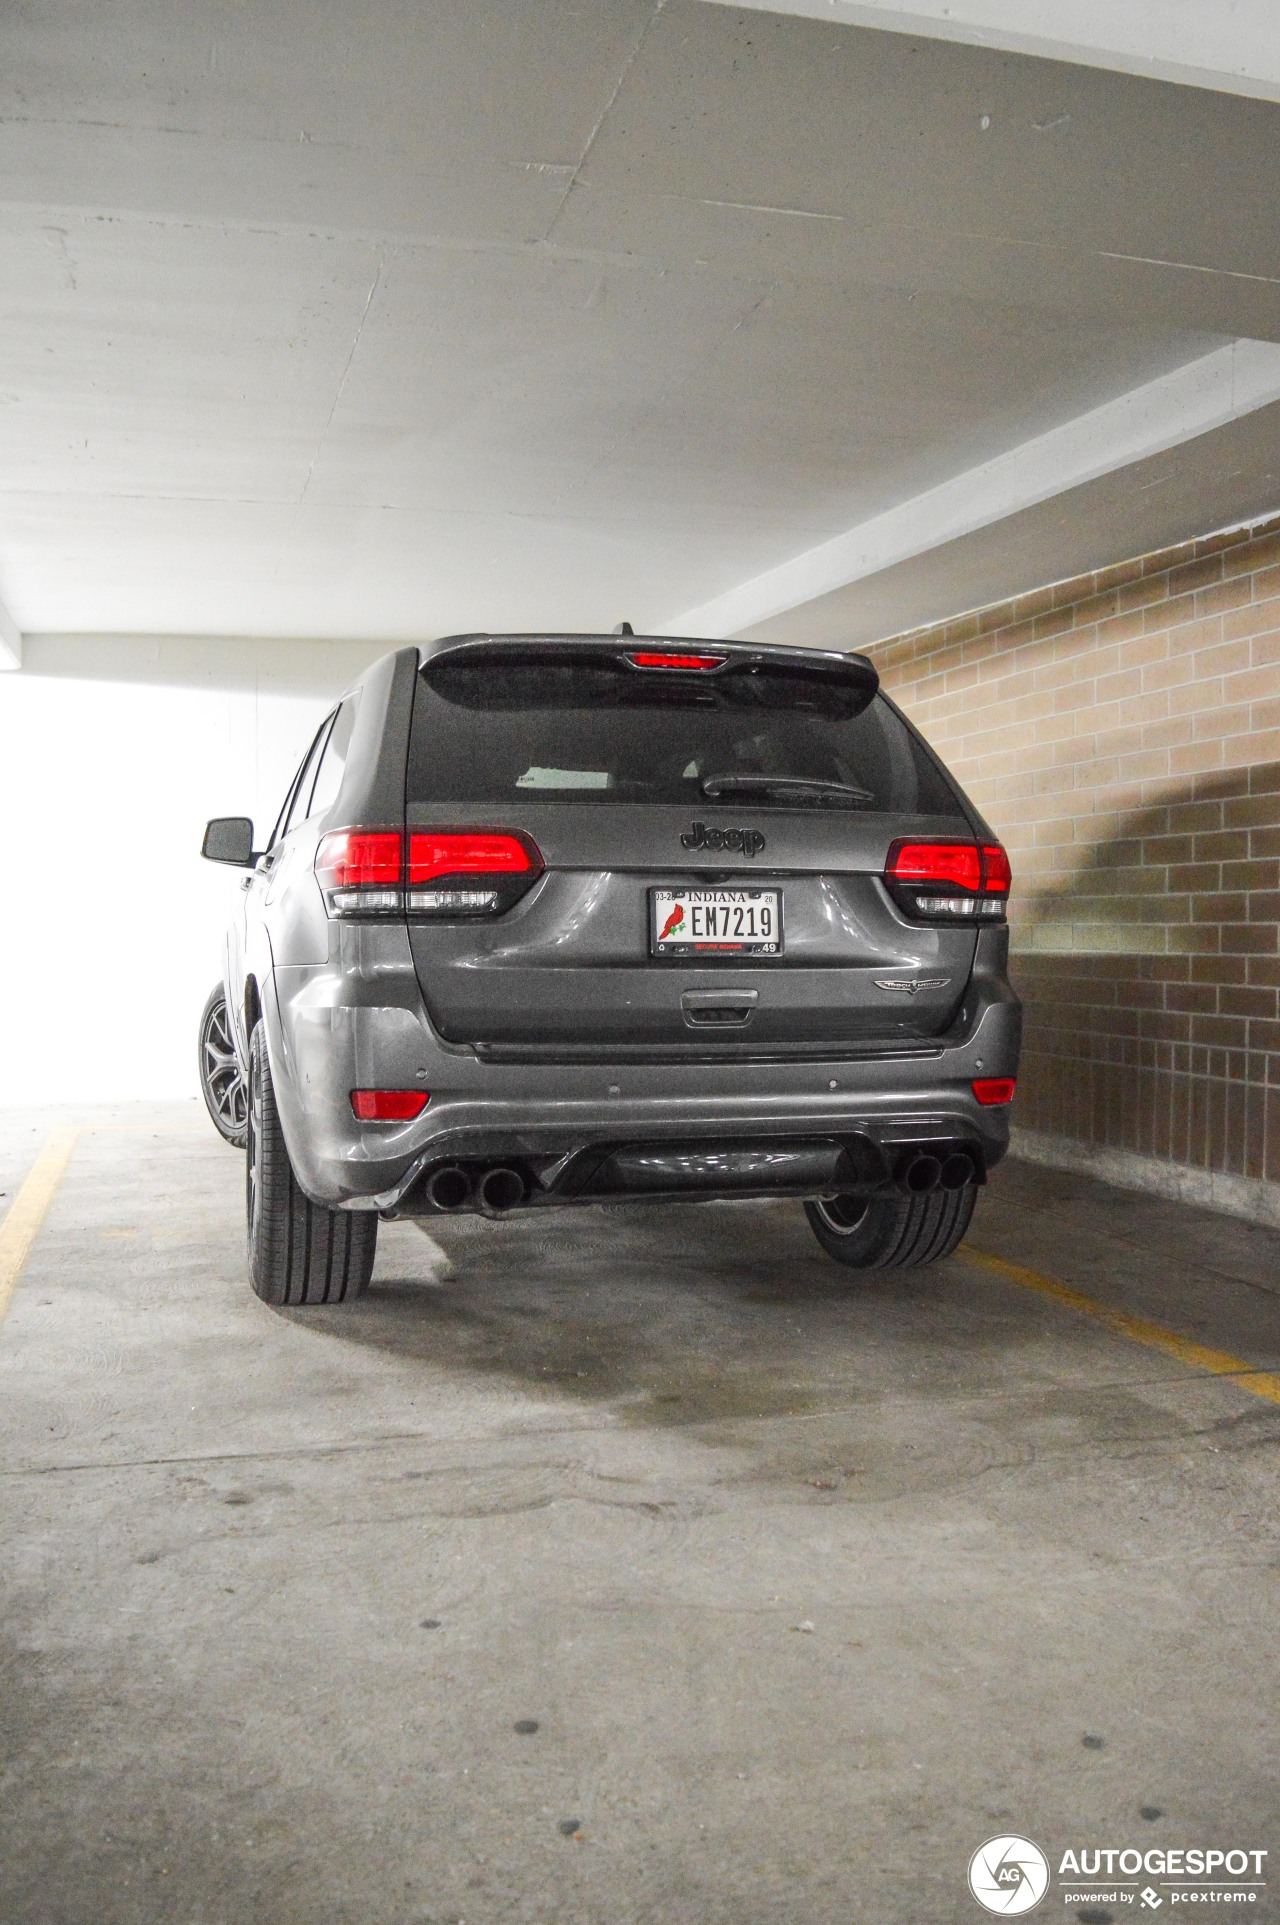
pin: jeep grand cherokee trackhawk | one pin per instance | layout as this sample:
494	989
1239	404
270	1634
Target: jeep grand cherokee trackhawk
554	919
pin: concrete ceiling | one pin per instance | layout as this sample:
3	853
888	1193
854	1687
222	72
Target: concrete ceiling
1229	44
387	321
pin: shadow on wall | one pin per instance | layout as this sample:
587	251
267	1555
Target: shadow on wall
1152	983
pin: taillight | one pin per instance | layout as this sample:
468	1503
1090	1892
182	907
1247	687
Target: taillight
469	872
440	873
649	658
388	1105
949	881
991	1090
953	864
359	872
997	876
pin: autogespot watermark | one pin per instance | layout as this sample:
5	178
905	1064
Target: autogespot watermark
1009	1876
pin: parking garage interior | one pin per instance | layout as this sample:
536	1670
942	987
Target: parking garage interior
634	1563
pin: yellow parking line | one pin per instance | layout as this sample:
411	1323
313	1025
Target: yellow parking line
1263	1383
27	1211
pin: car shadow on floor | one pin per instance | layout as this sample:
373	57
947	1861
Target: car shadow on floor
729	1324
705	1315
683	1314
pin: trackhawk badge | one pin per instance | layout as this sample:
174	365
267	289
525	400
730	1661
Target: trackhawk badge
749	842
911	986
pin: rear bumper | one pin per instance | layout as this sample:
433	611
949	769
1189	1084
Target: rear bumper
713	1164
333	1029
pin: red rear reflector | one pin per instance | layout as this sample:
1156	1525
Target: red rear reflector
480	852
359	858
990	1090
958	864
649	660
388	1105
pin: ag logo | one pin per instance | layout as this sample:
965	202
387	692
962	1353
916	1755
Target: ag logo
1008	1876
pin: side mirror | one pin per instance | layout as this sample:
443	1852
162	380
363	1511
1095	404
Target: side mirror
229	838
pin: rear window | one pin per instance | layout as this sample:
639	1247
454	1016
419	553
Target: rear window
503	724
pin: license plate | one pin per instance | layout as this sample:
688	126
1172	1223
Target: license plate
715	922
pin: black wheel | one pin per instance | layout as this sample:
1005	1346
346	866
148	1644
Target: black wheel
299	1252
891	1231
221	1077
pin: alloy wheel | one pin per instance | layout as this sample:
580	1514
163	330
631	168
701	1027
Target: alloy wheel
220	1072
842	1214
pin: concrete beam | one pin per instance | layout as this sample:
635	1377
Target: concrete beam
261	665
1231	46
10	641
1149	420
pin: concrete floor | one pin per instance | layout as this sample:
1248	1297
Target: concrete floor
810	1588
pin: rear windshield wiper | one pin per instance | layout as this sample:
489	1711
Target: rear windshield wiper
795	788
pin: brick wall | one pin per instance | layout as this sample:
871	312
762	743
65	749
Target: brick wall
1122	734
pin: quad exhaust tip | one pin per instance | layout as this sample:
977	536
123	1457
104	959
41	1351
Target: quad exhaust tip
918	1172
449	1188
495	1191
500	1190
957	1171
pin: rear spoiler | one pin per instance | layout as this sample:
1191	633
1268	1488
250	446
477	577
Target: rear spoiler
663	654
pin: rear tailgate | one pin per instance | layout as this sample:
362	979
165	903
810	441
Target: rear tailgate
611	795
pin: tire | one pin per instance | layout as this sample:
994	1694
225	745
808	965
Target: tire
892	1231
299	1252
221	1077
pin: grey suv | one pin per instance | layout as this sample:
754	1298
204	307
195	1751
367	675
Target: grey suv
551	920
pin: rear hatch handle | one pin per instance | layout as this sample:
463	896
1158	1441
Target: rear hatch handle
704	1007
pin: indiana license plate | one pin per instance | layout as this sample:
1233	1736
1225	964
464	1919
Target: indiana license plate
719	922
